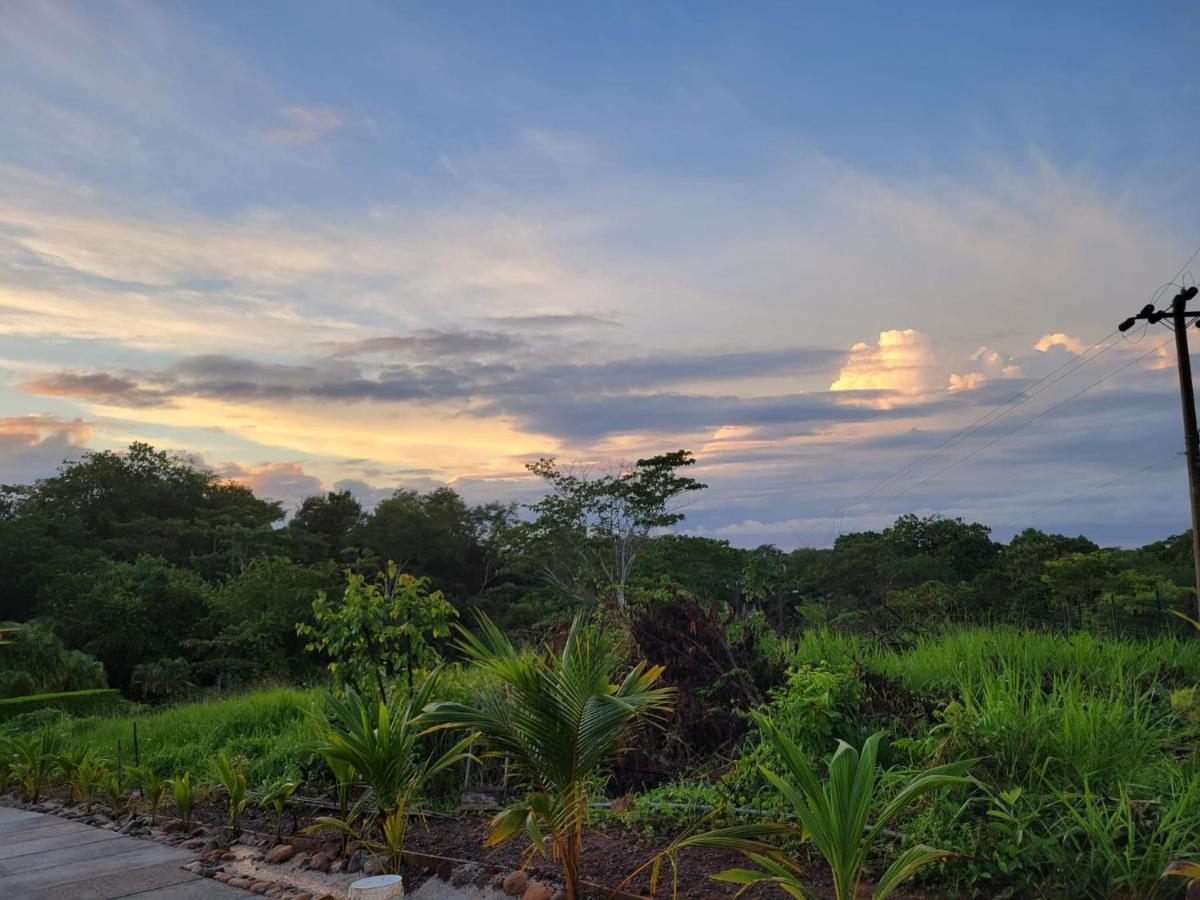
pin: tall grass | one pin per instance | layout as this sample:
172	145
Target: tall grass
937	664
272	729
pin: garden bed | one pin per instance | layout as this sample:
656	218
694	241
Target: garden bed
445	845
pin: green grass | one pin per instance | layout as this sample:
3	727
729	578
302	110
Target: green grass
270	729
935	665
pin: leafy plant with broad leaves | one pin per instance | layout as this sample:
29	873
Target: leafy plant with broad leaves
557	719
378	628
233	781
275	796
836	817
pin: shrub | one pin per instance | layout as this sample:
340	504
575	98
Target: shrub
94	702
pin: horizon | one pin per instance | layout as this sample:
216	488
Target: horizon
371	247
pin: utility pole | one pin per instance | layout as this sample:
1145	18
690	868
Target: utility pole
1179	316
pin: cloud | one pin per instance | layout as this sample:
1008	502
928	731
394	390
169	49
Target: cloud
553	320
903	363
31	447
432	343
98	387
304	124
284	481
1058	339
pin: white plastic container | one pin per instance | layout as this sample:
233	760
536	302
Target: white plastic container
377	887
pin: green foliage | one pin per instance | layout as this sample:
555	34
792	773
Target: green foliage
817	704
379	628
587	532
98	701
837	816
153	787
87	779
35	662
274	796
233	782
183	795
557	721
386	747
33	761
269	728
162	680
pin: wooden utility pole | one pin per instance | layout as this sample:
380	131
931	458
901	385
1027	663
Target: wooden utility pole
1180	320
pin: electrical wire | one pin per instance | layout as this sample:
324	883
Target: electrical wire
1094	488
1026	423
995	413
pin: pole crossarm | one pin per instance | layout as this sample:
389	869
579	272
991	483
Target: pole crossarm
1179	318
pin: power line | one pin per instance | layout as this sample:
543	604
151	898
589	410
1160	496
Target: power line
995	413
1094	488
1024	424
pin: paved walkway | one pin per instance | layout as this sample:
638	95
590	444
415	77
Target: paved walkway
48	858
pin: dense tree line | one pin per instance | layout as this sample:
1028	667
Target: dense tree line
171	576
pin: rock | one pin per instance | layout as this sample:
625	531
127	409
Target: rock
372	866
281	854
240	882
537	890
445	870
320	861
223	877
355	863
560	894
212	844
260	887
191	844
172	827
303	895
228	856
514	883
193	866
299	859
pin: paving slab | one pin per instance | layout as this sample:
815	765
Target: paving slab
47	858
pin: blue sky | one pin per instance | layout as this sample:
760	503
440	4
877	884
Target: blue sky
377	245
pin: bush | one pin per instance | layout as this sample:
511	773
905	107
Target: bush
95	702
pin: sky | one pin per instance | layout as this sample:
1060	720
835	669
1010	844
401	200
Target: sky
369	246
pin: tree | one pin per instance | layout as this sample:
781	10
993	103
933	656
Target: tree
257	610
330	522
588	530
1078	579
379	628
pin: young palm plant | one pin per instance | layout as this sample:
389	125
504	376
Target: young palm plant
836	816
183	794
233	780
34	761
382	745
558	721
154	788
88	777
275	796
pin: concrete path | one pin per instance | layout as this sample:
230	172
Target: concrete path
47	858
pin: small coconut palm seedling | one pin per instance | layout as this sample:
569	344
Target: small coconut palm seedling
183	795
154	789
275	796
233	782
